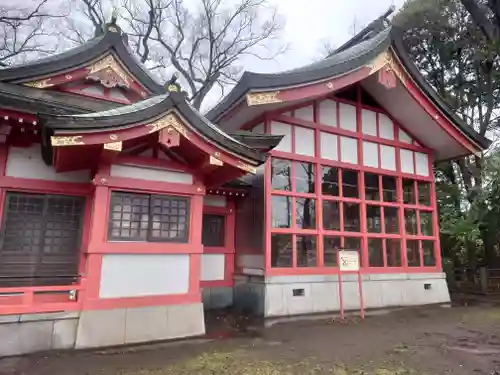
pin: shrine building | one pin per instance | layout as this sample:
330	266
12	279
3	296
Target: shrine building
125	212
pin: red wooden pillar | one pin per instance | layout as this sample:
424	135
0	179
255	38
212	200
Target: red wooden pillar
195	240
98	236
267	205
3	162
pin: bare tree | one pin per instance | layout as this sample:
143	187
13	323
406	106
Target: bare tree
486	14
206	44
22	32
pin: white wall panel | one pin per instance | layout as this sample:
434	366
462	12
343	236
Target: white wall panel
347	116
151	174
348	150
406	157
369	122
422	164
305	113
136	275
278	128
251	261
212	267
93	90
403	137
387	157
117	94
329	146
370	154
258	129
386	127
27	162
328	112
304	141
214	201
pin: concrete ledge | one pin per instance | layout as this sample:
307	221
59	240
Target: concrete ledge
9	318
100	328
49	316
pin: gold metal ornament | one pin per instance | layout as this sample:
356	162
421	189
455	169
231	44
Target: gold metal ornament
66	141
387	60
246	167
113	146
169	120
39	84
259	98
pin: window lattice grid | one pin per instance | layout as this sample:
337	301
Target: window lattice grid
129	216
169	219
142	217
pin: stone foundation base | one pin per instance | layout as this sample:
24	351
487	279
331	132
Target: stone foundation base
98	328
217	298
277	296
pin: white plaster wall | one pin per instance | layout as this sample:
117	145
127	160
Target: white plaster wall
117	94
278	128
304	141
388	157
406	157
305	113
347	116
370	154
329	146
137	275
386	127
93	90
403	137
27	162
151	174
214	201
369	122
348	150
212	267
251	261
421	164
258	129
328	113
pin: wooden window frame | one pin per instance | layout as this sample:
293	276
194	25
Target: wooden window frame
149	236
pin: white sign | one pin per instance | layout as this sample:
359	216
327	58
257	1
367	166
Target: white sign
348	260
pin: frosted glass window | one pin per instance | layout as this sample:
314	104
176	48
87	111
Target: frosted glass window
289	114
348	150
304	141
369	122
403	137
347	117
406	161
386	127
422	164
387	157
278	128
328	112
329	146
370	154
258	129
305	113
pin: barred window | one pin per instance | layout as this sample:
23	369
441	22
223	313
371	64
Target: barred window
144	217
40	239
213	230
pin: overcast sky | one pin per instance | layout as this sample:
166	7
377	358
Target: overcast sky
310	23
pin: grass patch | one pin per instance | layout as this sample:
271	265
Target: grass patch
237	363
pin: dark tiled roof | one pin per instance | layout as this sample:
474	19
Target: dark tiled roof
110	41
150	110
35	100
354	54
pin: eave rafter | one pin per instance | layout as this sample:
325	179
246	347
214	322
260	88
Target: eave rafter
170	128
107	71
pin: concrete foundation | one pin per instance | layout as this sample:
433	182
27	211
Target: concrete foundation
296	295
21	334
217	298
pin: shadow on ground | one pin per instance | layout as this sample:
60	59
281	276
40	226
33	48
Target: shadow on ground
461	340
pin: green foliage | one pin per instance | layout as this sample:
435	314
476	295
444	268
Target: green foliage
464	67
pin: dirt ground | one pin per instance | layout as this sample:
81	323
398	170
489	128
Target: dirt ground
462	340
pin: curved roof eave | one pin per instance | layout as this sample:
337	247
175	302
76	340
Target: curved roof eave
80	56
333	66
148	111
